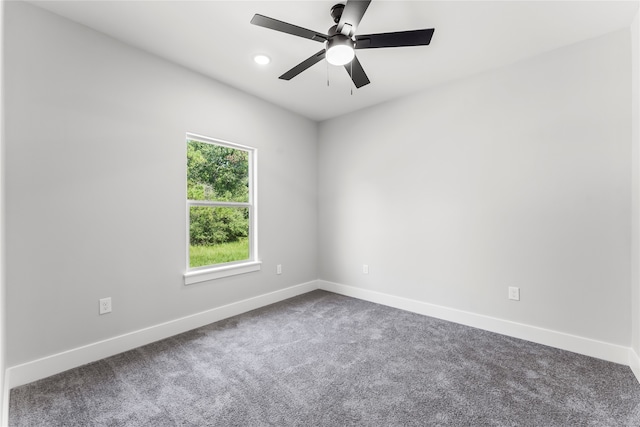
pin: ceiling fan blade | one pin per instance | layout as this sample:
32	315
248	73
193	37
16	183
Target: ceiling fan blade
284	27
352	15
355	70
401	38
313	59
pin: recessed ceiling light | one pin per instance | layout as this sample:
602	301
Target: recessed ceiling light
262	59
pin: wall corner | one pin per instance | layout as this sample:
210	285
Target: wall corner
635	186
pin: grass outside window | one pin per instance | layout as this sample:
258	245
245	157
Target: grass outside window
200	256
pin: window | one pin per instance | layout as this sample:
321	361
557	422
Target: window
221	209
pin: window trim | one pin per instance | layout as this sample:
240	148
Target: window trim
216	271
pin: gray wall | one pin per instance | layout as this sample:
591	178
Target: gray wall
95	186
516	177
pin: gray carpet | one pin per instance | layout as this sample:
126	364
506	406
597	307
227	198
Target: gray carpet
322	359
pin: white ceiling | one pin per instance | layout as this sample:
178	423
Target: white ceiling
215	38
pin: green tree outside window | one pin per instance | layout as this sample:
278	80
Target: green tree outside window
219	203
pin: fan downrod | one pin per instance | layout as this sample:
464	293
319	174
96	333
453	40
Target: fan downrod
336	12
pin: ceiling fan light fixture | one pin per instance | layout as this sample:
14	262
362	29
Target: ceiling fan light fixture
340	50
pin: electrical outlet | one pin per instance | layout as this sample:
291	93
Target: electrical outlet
279	269
105	305
514	293
365	269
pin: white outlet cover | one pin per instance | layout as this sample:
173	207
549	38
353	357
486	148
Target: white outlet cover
105	305
514	293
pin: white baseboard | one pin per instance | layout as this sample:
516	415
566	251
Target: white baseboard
51	365
634	363
589	347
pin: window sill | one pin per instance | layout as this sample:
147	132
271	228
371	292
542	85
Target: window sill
213	273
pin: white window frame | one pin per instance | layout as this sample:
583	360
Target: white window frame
217	271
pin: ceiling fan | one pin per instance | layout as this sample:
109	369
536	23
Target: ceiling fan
341	40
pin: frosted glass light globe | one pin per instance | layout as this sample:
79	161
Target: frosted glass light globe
340	50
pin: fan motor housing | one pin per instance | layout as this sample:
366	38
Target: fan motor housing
333	31
338	38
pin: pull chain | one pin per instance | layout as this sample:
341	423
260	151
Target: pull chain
327	62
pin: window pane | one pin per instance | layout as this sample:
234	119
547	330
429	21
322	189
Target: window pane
217	173
218	235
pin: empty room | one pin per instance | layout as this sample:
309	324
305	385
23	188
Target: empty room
320	213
